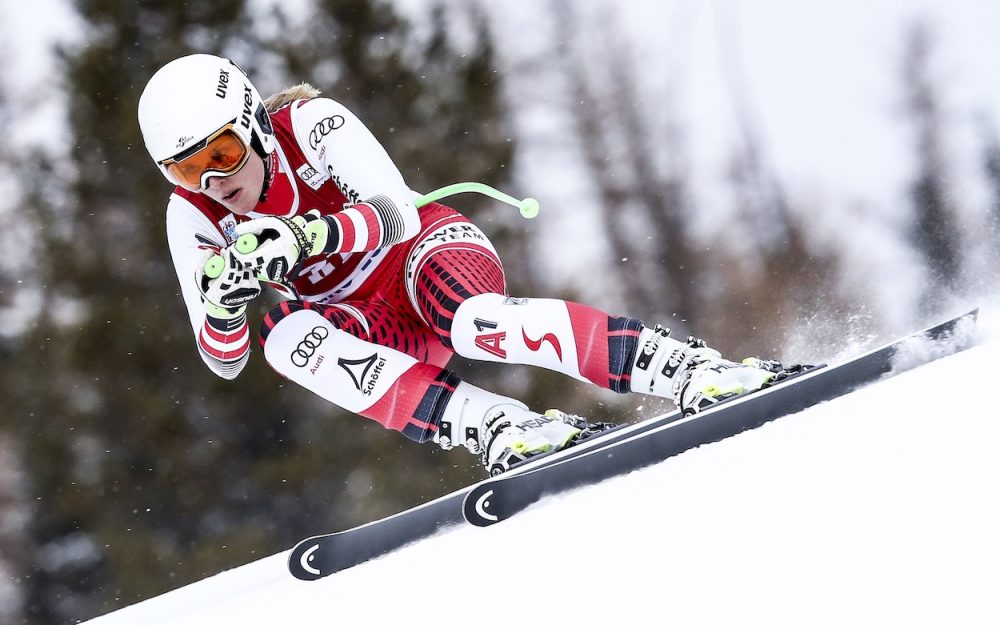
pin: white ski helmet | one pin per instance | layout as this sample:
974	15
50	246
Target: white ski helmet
190	99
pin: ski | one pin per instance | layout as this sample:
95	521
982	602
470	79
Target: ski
615	452
652	441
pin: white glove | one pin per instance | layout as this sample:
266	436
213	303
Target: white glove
233	285
281	245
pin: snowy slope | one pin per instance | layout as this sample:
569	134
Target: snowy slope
879	507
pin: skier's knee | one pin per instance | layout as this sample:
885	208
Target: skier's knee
475	318
276	314
535	331
310	350
291	315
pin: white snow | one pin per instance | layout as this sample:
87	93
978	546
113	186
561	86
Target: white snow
878	507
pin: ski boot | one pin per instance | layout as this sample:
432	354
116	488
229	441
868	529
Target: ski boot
712	380
504	431
694	375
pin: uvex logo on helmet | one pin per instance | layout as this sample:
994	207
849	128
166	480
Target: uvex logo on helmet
247	104
170	108
220	91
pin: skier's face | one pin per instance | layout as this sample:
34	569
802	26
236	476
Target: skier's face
239	192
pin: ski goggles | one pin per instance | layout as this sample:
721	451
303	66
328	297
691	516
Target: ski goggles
221	154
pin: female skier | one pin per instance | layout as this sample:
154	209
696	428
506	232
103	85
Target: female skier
380	293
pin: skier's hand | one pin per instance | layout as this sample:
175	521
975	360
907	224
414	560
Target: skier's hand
224	282
273	247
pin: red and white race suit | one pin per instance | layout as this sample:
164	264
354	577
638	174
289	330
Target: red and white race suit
371	327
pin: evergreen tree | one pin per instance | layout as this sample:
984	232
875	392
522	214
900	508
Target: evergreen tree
742	287
150	472
936	233
991	232
639	171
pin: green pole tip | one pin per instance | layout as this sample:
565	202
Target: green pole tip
529	208
214	267
246	243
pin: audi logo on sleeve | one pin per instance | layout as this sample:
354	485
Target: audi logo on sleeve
308	346
323	128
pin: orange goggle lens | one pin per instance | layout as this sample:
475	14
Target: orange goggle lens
223	154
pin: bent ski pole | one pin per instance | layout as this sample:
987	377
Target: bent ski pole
528	207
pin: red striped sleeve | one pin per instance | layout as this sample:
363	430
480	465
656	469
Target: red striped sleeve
347	230
375	227
225	347
222	355
223	337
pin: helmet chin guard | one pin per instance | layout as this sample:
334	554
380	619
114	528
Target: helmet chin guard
190	98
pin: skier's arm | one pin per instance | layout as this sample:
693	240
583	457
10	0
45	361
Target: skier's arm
380	211
221	333
339	145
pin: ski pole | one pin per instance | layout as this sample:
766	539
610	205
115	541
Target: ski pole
528	207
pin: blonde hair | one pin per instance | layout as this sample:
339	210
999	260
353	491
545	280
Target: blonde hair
301	91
